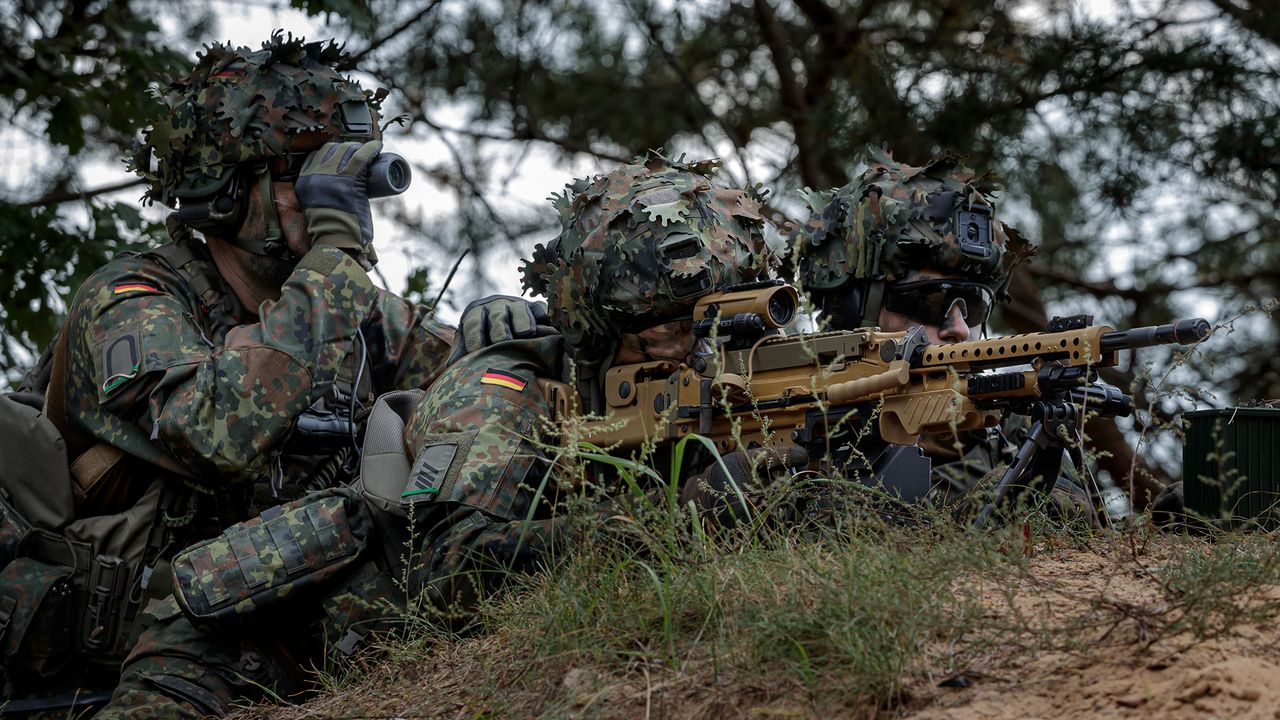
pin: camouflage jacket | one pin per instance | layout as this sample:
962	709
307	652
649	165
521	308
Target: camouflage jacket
164	364
479	497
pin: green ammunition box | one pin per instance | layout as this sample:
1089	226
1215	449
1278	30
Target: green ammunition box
1231	465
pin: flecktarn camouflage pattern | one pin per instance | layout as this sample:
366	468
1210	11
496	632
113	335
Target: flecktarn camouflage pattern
640	244
239	105
274	558
201	387
898	217
479	502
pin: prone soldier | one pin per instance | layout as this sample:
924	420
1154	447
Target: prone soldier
903	247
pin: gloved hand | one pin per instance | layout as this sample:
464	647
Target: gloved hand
496	319
332	189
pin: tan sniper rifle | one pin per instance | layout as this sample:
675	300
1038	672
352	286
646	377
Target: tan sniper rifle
819	391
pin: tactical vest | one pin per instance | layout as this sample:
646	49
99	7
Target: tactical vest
73	589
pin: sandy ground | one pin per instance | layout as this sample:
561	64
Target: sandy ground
1113	659
1120	667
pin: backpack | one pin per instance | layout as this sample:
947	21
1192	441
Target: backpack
70	588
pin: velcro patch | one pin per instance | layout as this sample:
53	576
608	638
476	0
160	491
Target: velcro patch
428	473
121	361
505	379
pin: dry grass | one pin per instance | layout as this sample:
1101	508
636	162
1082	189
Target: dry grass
883	621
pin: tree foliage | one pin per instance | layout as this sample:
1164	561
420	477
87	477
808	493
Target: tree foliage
73	84
1138	145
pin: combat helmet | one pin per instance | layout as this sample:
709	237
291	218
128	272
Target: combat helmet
897	217
242	117
638	246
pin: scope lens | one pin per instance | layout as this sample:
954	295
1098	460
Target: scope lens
782	308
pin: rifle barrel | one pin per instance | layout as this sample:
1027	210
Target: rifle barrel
1181	332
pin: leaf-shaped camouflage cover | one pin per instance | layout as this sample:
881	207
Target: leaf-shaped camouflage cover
898	217
239	105
640	244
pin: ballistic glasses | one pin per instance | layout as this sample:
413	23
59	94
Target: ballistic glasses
929	302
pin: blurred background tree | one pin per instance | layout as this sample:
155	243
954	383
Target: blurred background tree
1138	140
73	80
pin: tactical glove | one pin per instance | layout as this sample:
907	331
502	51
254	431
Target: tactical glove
333	192
496	319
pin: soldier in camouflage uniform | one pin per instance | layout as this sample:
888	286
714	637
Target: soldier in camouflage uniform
903	247
638	247
190	376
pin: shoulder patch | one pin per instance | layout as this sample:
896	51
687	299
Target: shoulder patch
505	379
121	362
436	467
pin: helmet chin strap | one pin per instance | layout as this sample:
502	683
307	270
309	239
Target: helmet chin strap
871	303
273	244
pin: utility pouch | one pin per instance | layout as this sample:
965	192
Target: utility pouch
14	530
269	561
108	593
36	616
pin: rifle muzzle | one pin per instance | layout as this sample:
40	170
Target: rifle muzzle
1180	332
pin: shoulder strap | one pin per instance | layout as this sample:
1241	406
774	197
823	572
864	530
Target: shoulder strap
195	269
55	398
91	460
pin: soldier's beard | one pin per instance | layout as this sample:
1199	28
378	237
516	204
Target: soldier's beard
273	270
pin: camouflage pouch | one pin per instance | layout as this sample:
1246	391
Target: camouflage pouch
14	530
36	616
283	554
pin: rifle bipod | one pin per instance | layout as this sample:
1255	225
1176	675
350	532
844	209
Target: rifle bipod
1038	462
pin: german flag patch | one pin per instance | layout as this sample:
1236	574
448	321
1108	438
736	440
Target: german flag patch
505	379
128	287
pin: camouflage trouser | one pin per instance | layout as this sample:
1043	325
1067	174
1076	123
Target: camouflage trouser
180	670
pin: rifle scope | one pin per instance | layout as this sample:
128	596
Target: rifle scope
389	175
1181	332
775	304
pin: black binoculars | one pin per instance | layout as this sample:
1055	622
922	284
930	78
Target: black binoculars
389	175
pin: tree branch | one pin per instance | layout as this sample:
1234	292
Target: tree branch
476	191
57	197
532	133
396	31
651	33
793	98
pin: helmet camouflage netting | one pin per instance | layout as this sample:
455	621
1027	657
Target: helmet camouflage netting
897	217
639	245
240	105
